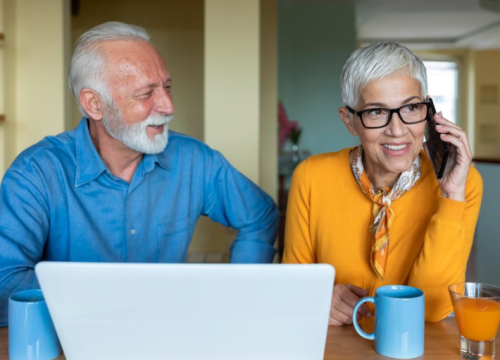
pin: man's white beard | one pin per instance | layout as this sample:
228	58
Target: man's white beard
135	136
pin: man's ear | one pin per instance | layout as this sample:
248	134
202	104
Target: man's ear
91	103
345	115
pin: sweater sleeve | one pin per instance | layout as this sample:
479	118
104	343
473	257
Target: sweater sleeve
448	241
298	245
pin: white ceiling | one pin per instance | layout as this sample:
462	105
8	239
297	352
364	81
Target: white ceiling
430	23
426	24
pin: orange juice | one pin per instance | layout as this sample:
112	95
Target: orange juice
477	319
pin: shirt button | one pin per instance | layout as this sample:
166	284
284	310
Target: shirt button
132	231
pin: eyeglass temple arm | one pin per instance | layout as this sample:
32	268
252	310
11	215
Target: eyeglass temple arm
351	110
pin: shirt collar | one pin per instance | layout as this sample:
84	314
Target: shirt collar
89	164
164	159
150	160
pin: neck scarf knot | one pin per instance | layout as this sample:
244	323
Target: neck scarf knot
382	199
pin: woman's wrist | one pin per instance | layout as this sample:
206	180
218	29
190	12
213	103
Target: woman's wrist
454	195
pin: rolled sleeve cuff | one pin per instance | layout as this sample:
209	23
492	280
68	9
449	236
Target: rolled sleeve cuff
248	252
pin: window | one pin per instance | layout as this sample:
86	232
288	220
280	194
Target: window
442	79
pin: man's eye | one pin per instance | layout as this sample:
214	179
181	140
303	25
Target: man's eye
148	94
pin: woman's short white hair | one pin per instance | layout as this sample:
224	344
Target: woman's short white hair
378	61
88	63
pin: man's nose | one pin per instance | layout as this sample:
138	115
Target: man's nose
163	103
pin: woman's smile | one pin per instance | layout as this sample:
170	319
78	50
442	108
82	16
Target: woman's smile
396	149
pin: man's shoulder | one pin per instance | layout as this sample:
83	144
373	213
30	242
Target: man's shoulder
182	142
188	152
48	150
183	139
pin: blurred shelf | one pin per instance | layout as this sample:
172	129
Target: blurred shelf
2	117
1	36
487	160
288	161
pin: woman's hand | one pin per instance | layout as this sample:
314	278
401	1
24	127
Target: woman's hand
344	299
460	157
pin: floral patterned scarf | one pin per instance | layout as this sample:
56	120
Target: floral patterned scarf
382	213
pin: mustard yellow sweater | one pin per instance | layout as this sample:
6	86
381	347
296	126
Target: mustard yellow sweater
429	242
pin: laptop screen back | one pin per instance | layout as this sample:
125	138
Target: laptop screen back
186	311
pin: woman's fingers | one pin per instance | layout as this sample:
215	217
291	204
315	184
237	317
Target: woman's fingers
448	128
344	299
456	137
460	157
441	120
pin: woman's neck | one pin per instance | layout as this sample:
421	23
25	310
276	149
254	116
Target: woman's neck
379	179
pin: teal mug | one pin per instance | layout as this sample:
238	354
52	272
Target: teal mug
32	335
399	321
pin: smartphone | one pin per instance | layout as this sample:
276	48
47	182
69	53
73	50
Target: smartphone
438	149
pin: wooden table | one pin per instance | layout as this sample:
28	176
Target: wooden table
441	343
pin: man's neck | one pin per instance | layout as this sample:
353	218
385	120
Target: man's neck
118	158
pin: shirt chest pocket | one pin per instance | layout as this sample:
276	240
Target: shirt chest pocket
173	241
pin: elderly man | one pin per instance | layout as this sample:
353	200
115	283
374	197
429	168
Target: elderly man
121	187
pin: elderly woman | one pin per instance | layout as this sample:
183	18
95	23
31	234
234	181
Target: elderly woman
377	212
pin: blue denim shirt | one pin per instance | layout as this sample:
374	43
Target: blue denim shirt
59	202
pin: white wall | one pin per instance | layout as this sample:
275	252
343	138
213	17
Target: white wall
2	93
232	81
35	63
240	97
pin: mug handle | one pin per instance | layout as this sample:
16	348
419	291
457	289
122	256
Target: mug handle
355	321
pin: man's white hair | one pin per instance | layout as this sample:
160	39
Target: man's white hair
376	62
88	63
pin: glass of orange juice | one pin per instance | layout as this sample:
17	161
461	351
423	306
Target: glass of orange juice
477	311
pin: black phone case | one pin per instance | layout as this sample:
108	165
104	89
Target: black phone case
438	149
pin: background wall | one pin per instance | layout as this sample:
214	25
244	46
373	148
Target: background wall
487	238
315	40
486	91
2	95
35	62
487	110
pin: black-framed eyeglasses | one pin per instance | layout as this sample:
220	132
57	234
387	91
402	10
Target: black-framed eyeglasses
376	118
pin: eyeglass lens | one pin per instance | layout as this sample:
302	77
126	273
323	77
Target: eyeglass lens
411	113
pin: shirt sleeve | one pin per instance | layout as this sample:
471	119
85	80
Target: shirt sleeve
448	241
231	199
23	229
298	246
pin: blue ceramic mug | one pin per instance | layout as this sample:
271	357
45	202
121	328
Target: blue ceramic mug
399	321
32	335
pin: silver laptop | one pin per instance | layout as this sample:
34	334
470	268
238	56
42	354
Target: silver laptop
188	312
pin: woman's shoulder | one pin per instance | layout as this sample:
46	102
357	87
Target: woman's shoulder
328	160
320	166
474	186
474	177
